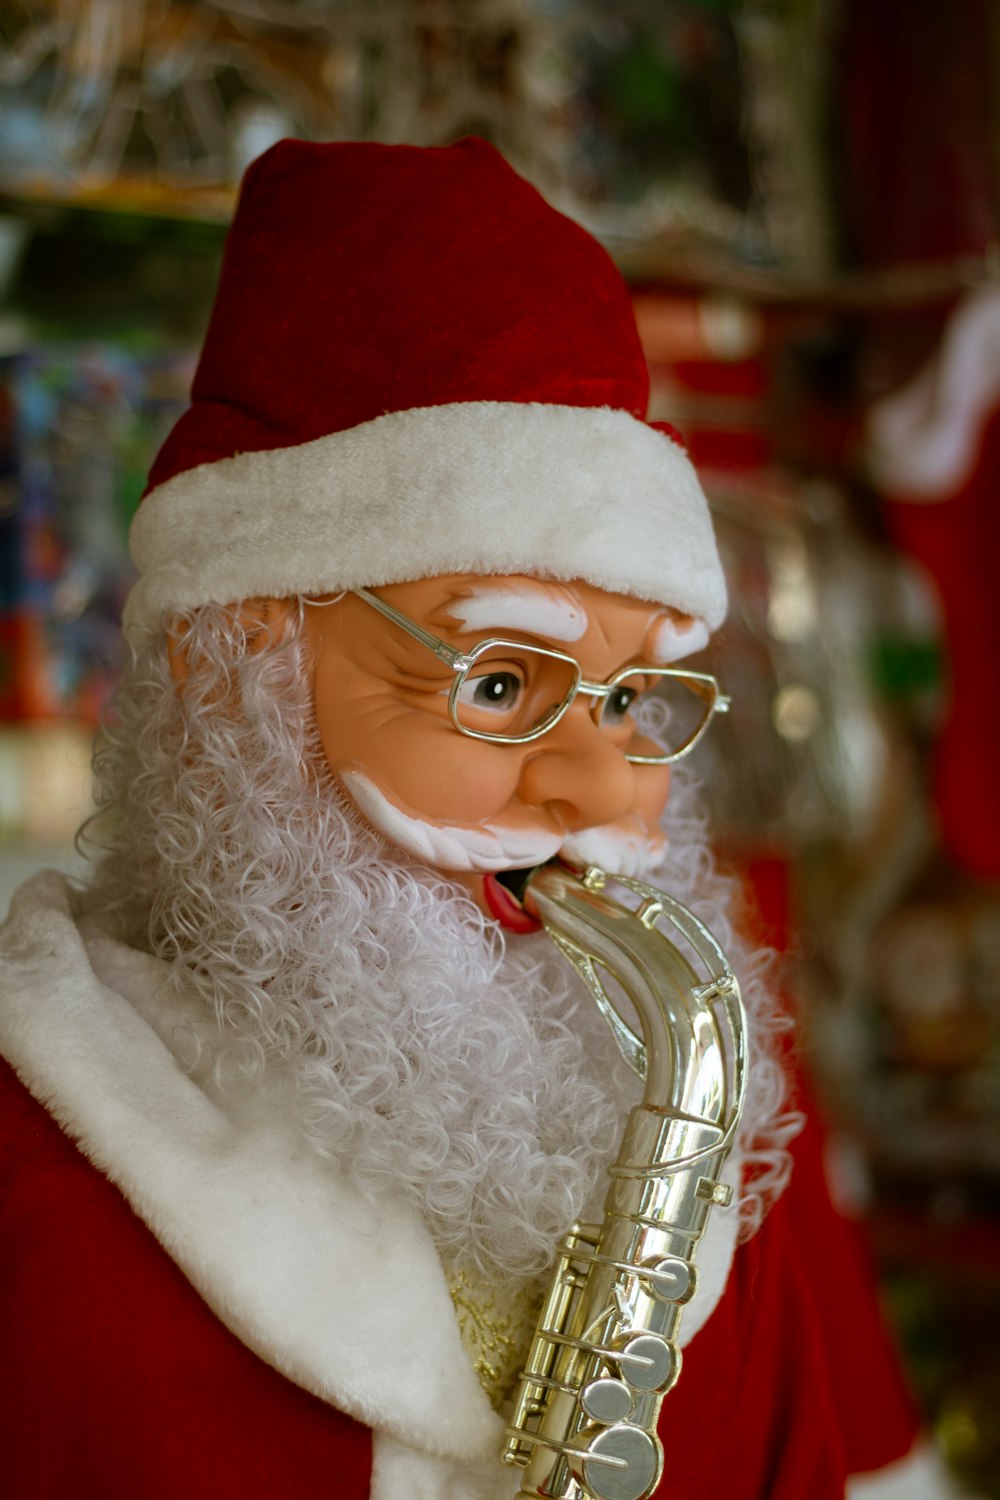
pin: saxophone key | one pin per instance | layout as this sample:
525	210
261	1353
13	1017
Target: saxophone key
668	1278
648	1362
607	1400
621	1463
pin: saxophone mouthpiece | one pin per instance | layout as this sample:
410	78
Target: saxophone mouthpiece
518	882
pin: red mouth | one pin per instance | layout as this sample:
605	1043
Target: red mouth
506	908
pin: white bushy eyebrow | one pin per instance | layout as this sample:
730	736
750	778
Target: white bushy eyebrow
671	638
548	612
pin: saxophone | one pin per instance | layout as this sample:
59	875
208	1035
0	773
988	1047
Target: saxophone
605	1350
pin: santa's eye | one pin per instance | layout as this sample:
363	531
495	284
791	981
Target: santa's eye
617	704
498	691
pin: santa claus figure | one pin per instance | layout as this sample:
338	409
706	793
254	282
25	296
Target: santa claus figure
299	1099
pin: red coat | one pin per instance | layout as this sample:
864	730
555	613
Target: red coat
120	1384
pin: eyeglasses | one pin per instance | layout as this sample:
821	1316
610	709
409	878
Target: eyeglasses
511	693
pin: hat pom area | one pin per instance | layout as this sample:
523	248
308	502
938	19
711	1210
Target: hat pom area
415	366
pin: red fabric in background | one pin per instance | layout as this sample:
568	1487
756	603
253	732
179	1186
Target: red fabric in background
877	1415
917	115
118	1382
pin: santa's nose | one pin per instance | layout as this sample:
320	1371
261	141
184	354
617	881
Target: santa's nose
578	774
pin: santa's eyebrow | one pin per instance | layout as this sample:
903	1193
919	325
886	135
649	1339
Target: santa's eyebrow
672	637
535	611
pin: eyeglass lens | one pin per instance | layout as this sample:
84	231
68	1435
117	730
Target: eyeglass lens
513	690
648	706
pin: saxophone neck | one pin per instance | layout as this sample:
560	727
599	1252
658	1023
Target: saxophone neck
691	1045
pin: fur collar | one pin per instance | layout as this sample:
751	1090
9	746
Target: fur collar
346	1299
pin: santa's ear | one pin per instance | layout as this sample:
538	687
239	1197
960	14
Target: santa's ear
264	621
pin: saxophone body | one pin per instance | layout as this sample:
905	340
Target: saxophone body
606	1351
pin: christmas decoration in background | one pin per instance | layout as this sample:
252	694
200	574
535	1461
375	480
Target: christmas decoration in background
664	122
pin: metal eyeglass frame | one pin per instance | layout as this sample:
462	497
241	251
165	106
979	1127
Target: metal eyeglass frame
460	663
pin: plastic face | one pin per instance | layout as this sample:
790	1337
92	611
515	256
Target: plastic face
472	807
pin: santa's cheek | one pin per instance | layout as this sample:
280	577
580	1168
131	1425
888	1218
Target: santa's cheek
456	787
434	773
459	788
652	792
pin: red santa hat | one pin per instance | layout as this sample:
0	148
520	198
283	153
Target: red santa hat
415	366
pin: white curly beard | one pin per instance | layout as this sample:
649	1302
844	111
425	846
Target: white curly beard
417	1050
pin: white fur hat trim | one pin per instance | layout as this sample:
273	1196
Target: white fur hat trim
483	487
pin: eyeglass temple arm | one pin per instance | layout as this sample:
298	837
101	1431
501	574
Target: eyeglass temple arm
441	649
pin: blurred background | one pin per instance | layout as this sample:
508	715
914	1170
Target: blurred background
804	196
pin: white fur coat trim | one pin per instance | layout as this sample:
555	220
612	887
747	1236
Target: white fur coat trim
485	487
349	1302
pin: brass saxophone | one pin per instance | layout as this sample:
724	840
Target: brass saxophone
605	1351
